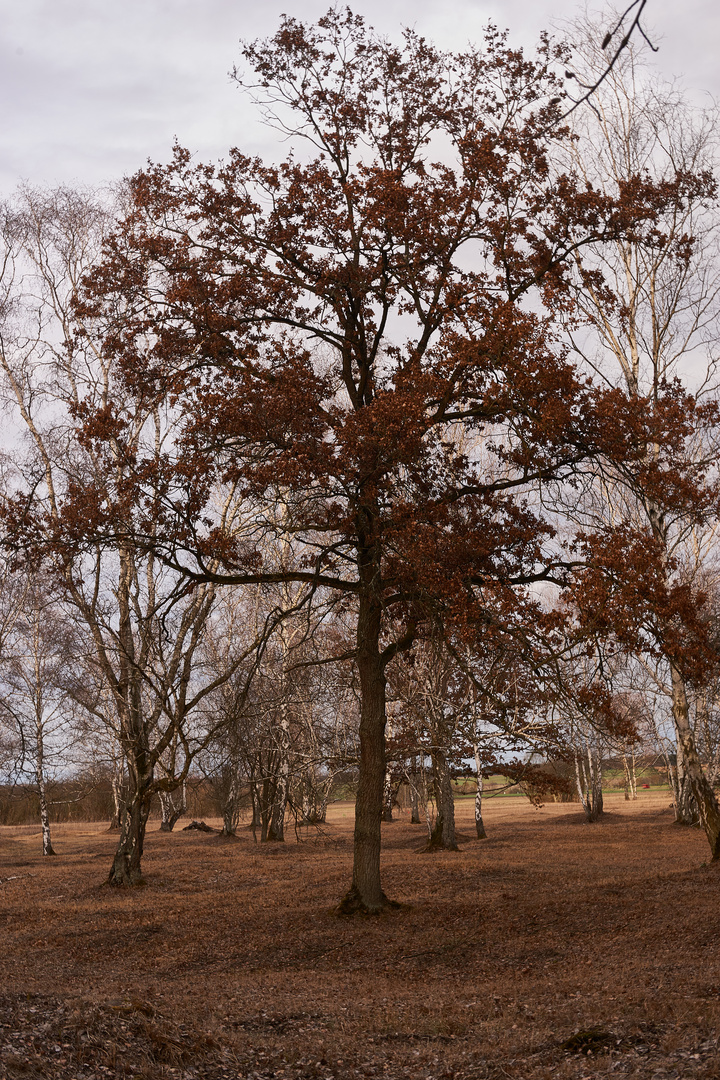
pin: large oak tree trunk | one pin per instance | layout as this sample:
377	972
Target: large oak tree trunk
365	894
705	800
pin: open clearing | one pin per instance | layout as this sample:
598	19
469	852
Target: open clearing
232	963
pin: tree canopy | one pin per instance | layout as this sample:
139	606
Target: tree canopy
361	346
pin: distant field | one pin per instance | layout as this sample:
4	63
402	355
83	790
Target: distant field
232	963
497	787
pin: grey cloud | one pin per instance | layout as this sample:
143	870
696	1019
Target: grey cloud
92	89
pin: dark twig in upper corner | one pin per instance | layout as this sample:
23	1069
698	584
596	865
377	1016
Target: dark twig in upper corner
607	40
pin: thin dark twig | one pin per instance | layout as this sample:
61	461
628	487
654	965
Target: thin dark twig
635	24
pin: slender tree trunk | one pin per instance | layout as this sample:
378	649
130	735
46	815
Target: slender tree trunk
673	782
414	801
170	812
365	893
705	800
713	768
117	785
595	758
706	803
266	800
588	775
442	837
255	821
126	867
307	802
387	797
321	812
479	826
47	848
581	783
712	748
680	787
231	800
276	824
426	801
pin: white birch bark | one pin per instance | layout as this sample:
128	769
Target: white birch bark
479	824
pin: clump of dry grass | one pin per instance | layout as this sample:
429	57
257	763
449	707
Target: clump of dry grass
552	949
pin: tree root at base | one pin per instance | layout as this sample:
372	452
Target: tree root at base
124	879
438	845
353	904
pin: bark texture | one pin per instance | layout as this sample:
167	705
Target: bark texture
281	781
414	800
387	814
705	799
171	810
479	825
47	848
630	777
232	798
365	894
442	837
588	775
126	868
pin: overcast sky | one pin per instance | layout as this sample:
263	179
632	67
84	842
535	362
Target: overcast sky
92	88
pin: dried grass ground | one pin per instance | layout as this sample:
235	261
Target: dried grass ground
552	949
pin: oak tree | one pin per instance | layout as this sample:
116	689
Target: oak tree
324	328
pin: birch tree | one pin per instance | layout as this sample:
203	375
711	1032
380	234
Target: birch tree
35	701
142	625
653	316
